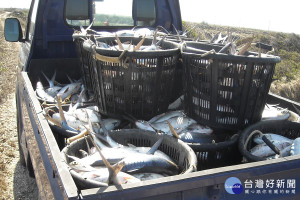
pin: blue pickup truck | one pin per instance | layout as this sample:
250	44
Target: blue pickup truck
47	44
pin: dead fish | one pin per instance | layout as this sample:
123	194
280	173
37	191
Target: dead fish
272	137
197	128
149	163
274	112
166	116
147	176
295	149
41	93
52	90
263	150
284	153
69	90
179	123
107	175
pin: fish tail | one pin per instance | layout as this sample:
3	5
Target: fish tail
112	169
53	78
48	80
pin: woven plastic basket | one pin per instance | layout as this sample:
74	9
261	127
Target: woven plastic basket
225	91
180	152
285	128
224	152
139	83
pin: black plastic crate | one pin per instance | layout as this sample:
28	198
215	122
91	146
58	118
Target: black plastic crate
225	91
285	128
140	83
224	152
85	59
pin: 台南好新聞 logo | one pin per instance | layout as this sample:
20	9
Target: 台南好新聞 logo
233	185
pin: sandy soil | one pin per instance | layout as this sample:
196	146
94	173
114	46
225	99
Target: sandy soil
15	182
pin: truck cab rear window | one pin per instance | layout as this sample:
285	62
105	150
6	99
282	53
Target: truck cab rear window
113	13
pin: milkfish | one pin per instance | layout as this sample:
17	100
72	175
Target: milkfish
109	175
178	123
274	112
263	150
166	116
52	90
295	149
147	176
69	90
191	136
41	93
118	152
283	153
272	137
136	161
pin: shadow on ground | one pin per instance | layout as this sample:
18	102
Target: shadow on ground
25	187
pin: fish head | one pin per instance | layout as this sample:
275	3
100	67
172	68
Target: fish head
144	125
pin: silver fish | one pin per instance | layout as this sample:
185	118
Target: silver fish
263	150
84	114
197	128
41	93
71	121
285	152
166	116
147	176
52	90
149	163
69	90
192	137
272	137
295	149
274	112
109	175
178	123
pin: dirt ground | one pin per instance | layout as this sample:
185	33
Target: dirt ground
15	182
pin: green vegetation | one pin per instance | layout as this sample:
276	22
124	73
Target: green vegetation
113	20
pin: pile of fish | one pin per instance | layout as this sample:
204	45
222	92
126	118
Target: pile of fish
275	112
111	163
67	92
286	146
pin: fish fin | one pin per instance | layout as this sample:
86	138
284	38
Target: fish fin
181	41
76	137
155	146
174	133
138	46
112	169
53	78
70	79
55	122
51	84
155	129
160	41
296	109
119	42
131	145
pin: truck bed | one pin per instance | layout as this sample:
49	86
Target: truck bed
55	181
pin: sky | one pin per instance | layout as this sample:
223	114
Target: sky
273	15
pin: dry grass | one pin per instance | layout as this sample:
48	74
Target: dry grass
14	182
